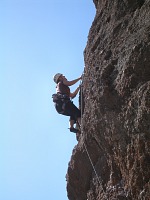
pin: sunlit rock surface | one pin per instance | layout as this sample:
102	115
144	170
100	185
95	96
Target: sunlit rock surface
116	119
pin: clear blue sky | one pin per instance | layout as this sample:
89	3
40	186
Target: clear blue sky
38	38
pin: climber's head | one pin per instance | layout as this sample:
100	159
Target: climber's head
59	77
56	77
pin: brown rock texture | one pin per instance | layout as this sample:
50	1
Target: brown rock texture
116	119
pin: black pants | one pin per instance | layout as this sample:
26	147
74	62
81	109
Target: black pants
70	110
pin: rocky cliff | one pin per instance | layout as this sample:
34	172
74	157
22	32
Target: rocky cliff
112	158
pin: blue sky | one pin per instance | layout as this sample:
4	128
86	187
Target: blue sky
38	38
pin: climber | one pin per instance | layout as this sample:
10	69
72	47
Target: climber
63	103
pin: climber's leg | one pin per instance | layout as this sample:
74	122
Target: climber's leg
71	123
79	121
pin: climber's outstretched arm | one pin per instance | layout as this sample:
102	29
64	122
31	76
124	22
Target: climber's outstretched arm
70	83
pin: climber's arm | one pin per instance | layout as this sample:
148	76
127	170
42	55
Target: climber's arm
72	95
70	83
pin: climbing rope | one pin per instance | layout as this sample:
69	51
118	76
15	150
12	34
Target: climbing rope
82	135
81	127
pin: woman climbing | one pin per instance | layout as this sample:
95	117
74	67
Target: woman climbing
62	100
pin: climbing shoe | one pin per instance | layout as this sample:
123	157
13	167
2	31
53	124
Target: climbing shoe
74	130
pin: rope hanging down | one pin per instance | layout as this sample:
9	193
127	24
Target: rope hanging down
81	127
82	135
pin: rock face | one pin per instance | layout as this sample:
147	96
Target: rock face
112	157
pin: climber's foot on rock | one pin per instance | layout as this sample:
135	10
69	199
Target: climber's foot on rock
74	130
